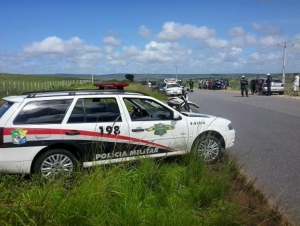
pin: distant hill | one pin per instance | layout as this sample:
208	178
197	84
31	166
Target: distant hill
148	76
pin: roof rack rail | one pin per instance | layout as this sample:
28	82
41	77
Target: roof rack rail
80	92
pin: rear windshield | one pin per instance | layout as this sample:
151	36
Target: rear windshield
4	108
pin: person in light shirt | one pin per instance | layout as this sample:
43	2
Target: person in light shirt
296	84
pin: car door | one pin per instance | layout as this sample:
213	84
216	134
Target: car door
96	127
152	129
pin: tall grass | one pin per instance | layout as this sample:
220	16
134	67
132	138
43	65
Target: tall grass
146	192
177	191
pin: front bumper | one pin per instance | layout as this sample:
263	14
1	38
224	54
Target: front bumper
229	138
169	93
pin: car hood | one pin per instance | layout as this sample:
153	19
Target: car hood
209	120
192	114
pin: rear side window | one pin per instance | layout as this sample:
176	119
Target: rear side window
43	112
4	108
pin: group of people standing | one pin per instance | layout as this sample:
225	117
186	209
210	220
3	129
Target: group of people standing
256	85
211	83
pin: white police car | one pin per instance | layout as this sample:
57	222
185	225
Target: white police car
52	131
173	89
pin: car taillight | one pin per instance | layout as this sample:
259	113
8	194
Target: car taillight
282	85
1	137
265	85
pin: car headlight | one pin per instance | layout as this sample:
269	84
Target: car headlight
230	127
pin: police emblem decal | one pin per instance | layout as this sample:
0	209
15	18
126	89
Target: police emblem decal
19	136
160	129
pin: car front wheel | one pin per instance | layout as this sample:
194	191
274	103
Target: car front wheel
53	162
208	148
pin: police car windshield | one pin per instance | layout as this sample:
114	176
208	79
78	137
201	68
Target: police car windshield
4	108
173	85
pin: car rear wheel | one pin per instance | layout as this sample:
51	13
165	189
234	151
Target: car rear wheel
53	162
281	93
208	148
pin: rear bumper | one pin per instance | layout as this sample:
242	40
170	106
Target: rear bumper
17	160
274	90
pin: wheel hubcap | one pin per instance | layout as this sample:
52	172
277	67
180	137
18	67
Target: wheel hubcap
208	150
55	164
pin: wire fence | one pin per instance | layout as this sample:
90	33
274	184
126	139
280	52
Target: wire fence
14	87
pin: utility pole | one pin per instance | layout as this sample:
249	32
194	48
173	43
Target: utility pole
176	72
92	71
5	59
283	66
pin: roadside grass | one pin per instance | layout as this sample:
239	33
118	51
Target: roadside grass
173	191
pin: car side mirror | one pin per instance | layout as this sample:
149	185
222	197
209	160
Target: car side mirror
176	115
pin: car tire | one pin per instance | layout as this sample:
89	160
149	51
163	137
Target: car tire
208	148
281	93
55	161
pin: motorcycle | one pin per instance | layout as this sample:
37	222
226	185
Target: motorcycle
182	104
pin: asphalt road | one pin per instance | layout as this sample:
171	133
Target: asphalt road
267	141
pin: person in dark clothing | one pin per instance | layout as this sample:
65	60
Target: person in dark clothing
260	86
191	84
257	80
269	82
244	86
252	86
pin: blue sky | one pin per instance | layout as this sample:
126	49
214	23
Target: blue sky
149	36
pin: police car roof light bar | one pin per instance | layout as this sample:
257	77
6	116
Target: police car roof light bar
115	85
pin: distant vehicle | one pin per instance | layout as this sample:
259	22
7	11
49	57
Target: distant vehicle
216	85
161	87
276	86
173	89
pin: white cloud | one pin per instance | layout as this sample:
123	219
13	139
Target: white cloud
270	40
175	31
48	45
111	41
250	39
57	46
237	41
236	32
144	32
217	43
194	49
266	29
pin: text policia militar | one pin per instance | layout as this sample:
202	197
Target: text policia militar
130	153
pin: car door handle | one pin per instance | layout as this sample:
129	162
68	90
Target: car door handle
73	132
137	130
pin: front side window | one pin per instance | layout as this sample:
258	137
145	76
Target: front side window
147	110
43	112
90	110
